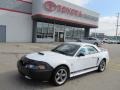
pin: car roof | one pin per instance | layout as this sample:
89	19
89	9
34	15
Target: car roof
80	43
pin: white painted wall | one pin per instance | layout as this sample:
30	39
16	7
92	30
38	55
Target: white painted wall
18	26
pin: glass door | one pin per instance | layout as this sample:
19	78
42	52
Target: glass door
61	36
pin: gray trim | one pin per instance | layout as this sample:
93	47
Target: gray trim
83	69
2	33
87	32
16	5
34	31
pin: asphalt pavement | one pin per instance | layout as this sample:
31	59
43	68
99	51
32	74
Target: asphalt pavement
10	79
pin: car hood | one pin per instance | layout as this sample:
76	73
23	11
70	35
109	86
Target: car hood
48	56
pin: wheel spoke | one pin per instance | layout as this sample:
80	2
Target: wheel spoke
58	78
58	74
61	76
102	66
62	71
61	79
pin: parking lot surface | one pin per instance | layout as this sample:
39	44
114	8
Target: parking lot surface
10	53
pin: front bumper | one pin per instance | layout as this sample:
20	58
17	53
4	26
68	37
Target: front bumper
34	73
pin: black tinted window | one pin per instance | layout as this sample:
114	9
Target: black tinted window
91	39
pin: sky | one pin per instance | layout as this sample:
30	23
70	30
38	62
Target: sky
108	10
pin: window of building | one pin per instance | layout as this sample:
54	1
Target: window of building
50	31
45	30
69	32
59	28
39	28
74	33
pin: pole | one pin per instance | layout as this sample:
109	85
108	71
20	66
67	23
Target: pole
117	26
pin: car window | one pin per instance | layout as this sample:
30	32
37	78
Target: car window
82	51
91	50
67	49
91	39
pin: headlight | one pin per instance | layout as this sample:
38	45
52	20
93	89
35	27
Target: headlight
41	67
31	66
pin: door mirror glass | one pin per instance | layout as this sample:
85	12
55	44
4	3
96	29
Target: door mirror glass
81	54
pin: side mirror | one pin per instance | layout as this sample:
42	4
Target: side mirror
81	54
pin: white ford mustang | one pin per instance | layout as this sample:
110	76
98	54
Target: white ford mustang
65	61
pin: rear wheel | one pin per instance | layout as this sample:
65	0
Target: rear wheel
60	76
102	66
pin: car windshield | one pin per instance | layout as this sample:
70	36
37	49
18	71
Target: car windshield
67	49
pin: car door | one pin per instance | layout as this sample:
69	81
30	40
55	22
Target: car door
86	58
81	59
93	55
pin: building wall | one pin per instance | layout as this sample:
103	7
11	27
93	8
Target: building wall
16	16
18	26
64	11
16	5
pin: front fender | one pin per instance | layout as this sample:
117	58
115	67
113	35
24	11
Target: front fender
59	63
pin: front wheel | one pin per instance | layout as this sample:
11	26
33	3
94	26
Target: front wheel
102	66
60	76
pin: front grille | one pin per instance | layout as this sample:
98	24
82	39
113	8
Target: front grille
25	62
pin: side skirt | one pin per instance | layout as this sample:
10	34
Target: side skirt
76	73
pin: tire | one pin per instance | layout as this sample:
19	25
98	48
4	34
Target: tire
60	76
96	43
102	66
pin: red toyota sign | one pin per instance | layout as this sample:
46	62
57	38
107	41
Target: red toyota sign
51	6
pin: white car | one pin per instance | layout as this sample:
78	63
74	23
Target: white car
63	62
106	40
91	40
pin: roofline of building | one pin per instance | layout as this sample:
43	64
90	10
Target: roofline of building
64	20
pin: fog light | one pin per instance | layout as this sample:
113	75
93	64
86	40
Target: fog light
31	66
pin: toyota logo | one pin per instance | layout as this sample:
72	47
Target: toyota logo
50	6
